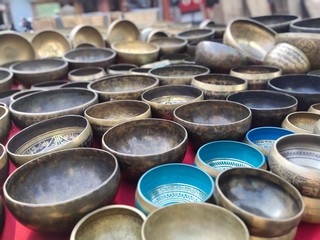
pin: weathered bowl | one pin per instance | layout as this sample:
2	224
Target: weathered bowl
86	34
169	223
269	205
49	136
111	222
4	169
23	93
122	30
279	23
219	86
311	212
5	96
49	85
69	184
316	128
6	79
86	74
44	105
170	45
120	68
197	35
140	71
80	84
212	120
140	145
5	124
301	122
315	108
309	25
219	29
269	108
165	99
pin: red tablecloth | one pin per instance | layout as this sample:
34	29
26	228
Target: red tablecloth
14	230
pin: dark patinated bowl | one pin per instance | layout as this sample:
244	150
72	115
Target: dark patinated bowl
165	99
6	96
86	34
212	120
6	79
49	85
197	35
86	74
268	108
309	25
49	136
279	23
305	88
4	167
54	191
170	45
23	93
44	105
122	87
315	108
37	71
5	124
82	84
301	122
120	68
140	145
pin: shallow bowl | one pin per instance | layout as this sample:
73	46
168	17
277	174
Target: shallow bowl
4	168
197	35
170	45
301	122
279	23
86	74
122	30
5	124
86	34
120	68
6	79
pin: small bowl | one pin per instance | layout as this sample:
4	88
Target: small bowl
5	124
114	221
86	34
140	71
122	30
6	96
49	136
69	184
165	99
279	23
301	122
311	212
82	84
108	114
314	108
218	156
86	74
170	45
6	79
269	108
172	184
49	85
169	223
4	169
309	25
178	74
140	145
120	68
219	86
23	93
269	205
197	35
316	128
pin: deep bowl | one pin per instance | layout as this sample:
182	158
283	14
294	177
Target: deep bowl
49	85
86	74
172	184
49	136
120	68
170	45
309	25
140	145
197	35
64	195
4	169
122	30
279	23
86	34
269	205
301	122
5	124
315	108
6	79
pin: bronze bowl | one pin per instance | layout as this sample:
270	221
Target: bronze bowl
49	136
219	29
44	105
5	124
122	30
49	85
269	205
5	96
68	185
165	99
212	120
4	168
315	108
170	45
108	114
301	122
86	34
6	79
120	68
149	34
279	23
140	145
197	35
310	25
86	74
140	71
122	87
23	93
268	108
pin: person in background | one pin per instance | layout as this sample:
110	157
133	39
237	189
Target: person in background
67	8
26	25
209	8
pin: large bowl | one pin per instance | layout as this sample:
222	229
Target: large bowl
140	145
279	23
268	108
86	34
49	136
309	25
269	205
4	168
212	120
69	184
165	99
301	122
204	221
170	45
44	105
122	30
6	79
37	71
122	87
315	108
86	74
194	36
5	124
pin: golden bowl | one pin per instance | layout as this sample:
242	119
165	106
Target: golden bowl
4	167
120	68
140	71
86	74
6	79
311	212
170	45
86	34
301	122
315	108
5	123
197	35
149	34
122	30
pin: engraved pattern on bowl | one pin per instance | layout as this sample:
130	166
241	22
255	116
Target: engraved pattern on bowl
222	164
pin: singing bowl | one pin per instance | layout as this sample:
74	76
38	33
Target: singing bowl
49	136
120	68
176	58
23	93
37	71
45	105
169	223
257	76
50	43
310	25
108	114
81	84
295	159
173	183
279	23
54	191
136	52
86	34
219	29
6	79
122	30
86	74
269	108
140	71
5	96
197	35
90	57
212	120
242	33
305	88
219	86
5	124
48	85
178	74
149	34
4	167
311	212
140	145
111	222
170	45
122	87
315	108
290	59
316	128
301	122
269	205
165	99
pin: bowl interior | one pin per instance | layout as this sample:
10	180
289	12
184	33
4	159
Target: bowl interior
123	31
304	120
35	66
220	80
275	19
297	83
135	47
179	71
308	23
89	54
4	75
81	72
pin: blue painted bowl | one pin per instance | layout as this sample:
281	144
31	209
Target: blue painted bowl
172	183
215	157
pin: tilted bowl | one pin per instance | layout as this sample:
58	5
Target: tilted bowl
5	124
4	167
86	74
86	34
279	23
122	30
301	122
170	45
6	79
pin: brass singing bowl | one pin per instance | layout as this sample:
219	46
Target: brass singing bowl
269	205
5	123
170	45
219	86
5	96
250	37
257	76
309	25
314	108
108	114
15	47
295	158
86	34
86	74
4	167
311	212
140	71
122	30
301	122
104	223
316	128
279	23
207	220
54	191
6	79
120	68
149	34
23	93
197	35
50	43
219	29
49	85
37	71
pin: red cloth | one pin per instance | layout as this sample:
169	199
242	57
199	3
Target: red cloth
13	230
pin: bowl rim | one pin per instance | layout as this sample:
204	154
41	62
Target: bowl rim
296	128
288	19
119	21
48	84
26	91
73	78
9	77
79	28
114	46
310	19
183	42
70	60
208	33
253	76
313	108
